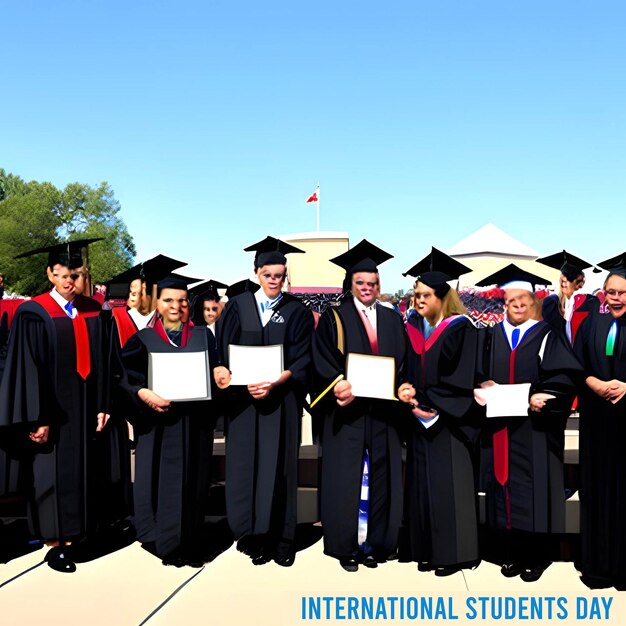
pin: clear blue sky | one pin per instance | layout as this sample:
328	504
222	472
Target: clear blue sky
213	121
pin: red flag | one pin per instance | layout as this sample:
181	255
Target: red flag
314	196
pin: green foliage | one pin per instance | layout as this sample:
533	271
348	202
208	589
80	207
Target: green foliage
36	214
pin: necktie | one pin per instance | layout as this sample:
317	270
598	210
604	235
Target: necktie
371	333
610	339
515	338
69	309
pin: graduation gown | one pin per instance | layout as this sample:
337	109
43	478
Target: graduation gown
602	458
551	313
172	455
263	438
441	460
348	431
41	386
528	493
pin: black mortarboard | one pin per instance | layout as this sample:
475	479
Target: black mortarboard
438	261
271	251
241	287
69	254
150	272
437	281
364	257
172	282
207	287
511	277
187	280
570	266
615	265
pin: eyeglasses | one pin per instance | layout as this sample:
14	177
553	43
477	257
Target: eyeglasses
360	283
615	292
274	276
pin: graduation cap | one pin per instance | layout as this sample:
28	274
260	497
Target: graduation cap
208	287
615	265
570	266
149	272
271	251
69	254
513	277
437	281
176	281
438	261
241	287
364	257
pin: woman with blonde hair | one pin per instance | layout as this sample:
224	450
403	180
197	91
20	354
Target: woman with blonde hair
440	489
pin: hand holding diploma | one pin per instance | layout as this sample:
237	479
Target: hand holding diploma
261	390
406	392
153	400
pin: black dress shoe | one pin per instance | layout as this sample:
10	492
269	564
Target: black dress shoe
349	564
595	582
511	570
59	559
285	560
370	561
424	567
446	571
531	574
261	559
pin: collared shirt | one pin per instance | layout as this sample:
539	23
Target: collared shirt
141	321
66	305
370	311
266	305
523	328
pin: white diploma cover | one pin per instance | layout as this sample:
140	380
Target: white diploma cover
371	376
250	365
507	400
179	375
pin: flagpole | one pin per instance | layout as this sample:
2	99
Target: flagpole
318	207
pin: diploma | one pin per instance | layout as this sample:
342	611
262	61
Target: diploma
371	376
255	364
179	375
507	400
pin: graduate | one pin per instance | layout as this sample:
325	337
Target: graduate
522	456
361	437
174	439
264	418
206	304
440	488
53	397
601	347
566	310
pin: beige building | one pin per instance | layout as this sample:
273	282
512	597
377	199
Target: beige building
489	249
313	272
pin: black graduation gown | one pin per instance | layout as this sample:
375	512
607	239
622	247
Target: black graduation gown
172	455
348	431
42	387
551	312
602	458
533	498
441	470
263	437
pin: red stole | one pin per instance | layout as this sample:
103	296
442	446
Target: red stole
159	329
86	307
125	326
421	346
501	448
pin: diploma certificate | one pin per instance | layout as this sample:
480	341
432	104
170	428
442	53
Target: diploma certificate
507	400
255	364
179	375
371	376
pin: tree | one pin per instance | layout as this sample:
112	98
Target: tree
36	214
